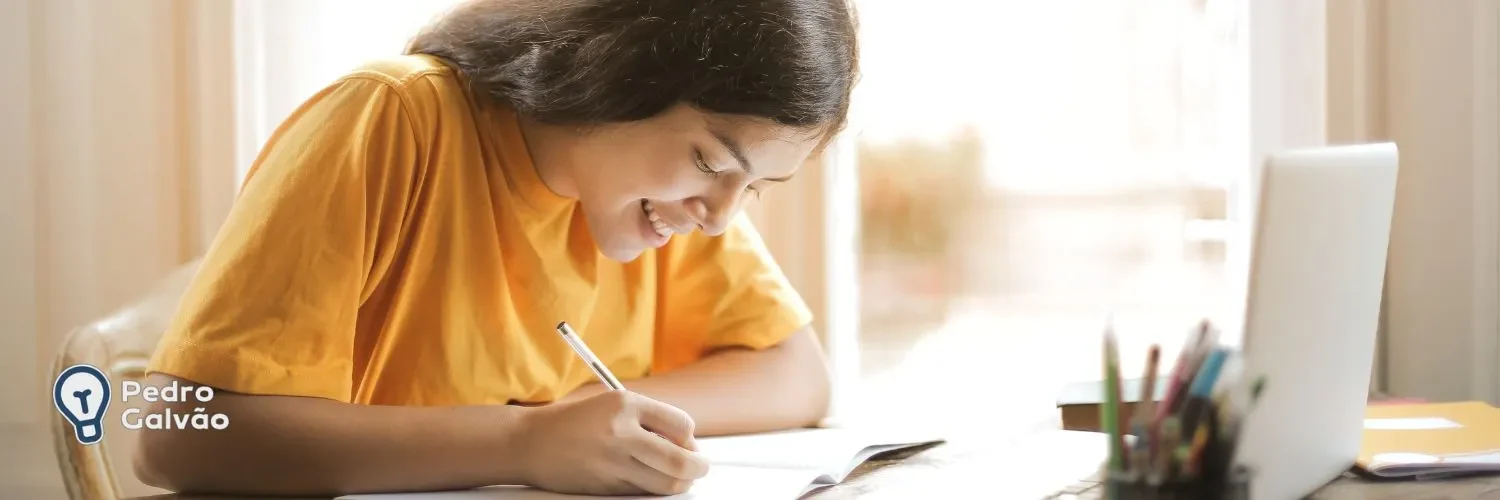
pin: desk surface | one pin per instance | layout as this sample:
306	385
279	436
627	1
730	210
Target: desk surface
959	466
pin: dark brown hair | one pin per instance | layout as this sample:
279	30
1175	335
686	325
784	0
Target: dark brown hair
599	61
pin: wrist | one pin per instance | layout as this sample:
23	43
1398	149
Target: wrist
500	447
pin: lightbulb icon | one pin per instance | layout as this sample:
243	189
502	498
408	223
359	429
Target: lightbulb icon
81	395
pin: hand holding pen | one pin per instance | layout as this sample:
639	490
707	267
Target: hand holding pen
614	443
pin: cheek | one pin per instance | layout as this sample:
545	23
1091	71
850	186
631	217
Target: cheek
662	179
629	168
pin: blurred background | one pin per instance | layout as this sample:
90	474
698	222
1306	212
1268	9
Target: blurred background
1027	167
1014	170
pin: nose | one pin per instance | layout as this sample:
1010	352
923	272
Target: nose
712	218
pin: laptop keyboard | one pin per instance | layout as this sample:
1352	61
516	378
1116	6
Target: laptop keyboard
1085	489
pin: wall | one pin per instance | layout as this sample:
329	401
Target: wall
18	314
1426	78
1441	108
123	170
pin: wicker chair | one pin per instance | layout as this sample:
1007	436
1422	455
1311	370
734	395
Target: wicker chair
120	344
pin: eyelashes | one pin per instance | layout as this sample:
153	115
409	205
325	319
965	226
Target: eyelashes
703	166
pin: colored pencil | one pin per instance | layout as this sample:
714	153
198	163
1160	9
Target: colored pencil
1200	394
1183	371
1191	435
1171	433
1111	409
1144	421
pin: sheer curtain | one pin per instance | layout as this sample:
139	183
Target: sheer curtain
117	132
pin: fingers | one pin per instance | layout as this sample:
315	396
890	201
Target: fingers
668	458
666	420
654	481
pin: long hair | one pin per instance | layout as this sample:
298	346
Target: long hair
587	62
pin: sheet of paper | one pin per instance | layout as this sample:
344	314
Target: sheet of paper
832	452
724	482
1410	424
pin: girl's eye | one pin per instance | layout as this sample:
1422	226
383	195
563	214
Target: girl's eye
703	164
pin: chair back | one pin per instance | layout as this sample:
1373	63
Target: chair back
120	345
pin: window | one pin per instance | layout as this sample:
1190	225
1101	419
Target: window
286	51
1026	167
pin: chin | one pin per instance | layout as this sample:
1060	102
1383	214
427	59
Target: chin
624	237
620	254
619	247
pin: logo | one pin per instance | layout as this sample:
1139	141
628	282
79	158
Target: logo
81	394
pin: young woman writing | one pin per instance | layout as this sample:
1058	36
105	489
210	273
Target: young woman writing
378	311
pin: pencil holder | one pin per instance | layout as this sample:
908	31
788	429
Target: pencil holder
1123	486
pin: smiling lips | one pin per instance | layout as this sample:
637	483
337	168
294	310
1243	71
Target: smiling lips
661	227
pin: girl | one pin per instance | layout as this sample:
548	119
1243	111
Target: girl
378	311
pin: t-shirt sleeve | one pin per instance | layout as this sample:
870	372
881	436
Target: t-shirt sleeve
724	291
274	305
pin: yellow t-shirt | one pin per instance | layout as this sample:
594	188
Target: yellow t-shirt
393	244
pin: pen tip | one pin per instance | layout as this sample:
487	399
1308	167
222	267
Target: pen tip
560	325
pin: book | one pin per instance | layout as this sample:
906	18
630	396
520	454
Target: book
1430	440
767	466
1079	402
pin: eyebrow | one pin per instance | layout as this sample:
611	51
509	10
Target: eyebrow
738	153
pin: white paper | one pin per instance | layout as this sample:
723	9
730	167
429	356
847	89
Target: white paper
722	482
1410	424
832	452
821	449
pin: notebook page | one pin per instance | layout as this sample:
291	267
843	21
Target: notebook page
722	482
832	452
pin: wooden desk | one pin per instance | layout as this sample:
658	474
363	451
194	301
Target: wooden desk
1036	465
961	466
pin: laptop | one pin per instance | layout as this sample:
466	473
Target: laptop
1316	275
1317	272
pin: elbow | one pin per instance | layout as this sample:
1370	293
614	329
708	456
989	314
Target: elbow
820	397
817	398
173	460
814	382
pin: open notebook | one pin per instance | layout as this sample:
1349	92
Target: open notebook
1430	440
787	464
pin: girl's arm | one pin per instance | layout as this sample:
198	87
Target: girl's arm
287	445
736	391
301	446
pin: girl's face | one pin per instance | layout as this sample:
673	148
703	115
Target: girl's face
642	182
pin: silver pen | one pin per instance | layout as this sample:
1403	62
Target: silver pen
583	351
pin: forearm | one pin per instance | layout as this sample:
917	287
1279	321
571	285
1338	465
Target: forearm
304	446
739	390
